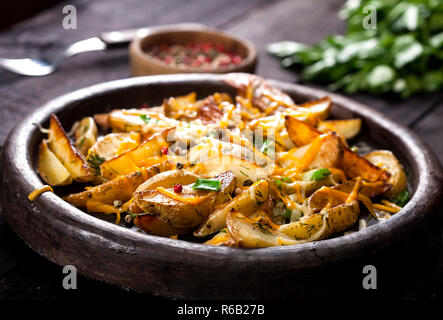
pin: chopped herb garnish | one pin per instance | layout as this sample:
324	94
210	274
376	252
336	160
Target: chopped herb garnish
320	174
267	147
145	118
402	198
135	215
207	184
287	179
287	214
263	226
278	183
213	133
94	161
244	174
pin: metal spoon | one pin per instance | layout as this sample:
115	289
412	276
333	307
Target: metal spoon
106	40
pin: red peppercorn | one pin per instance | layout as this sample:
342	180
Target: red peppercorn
164	150
178	188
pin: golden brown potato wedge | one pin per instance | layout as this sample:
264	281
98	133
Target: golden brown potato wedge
187	208
258	92
61	146
146	154
339	218
324	152
301	133
85	134
348	128
256	232
114	144
120	188
386	160
319	109
355	165
369	189
221	239
242	168
175	107
50	168
155	225
247	203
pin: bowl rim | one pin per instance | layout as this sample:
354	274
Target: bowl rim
135	48
314	253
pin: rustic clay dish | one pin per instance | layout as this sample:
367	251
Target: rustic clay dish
174	268
143	64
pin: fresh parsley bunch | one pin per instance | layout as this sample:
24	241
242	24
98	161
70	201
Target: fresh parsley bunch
403	55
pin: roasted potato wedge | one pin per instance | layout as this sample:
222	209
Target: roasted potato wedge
114	144
120	188
242	168
257	91
256	232
61	146
348	128
339	218
146	154
50	168
355	165
189	207
155	225
175	107
85	134
324	152
247	203
386	160
319	109
369	189
221	239
301	133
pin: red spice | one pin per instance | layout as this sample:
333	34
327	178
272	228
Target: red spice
204	55
178	188
164	150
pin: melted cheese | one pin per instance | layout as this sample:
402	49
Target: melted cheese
175	196
37	192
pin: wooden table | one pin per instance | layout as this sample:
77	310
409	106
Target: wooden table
23	273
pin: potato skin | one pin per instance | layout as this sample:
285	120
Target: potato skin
386	160
355	166
340	218
50	168
300	132
182	214
155	225
245	203
120	188
61	146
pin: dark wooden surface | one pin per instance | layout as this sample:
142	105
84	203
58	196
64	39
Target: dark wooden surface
23	273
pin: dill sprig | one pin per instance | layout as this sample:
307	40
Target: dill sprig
94	161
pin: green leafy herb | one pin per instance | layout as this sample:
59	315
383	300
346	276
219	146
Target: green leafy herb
145	118
94	161
402	198
268	147
278	183
287	214
207	184
403	54
320	174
